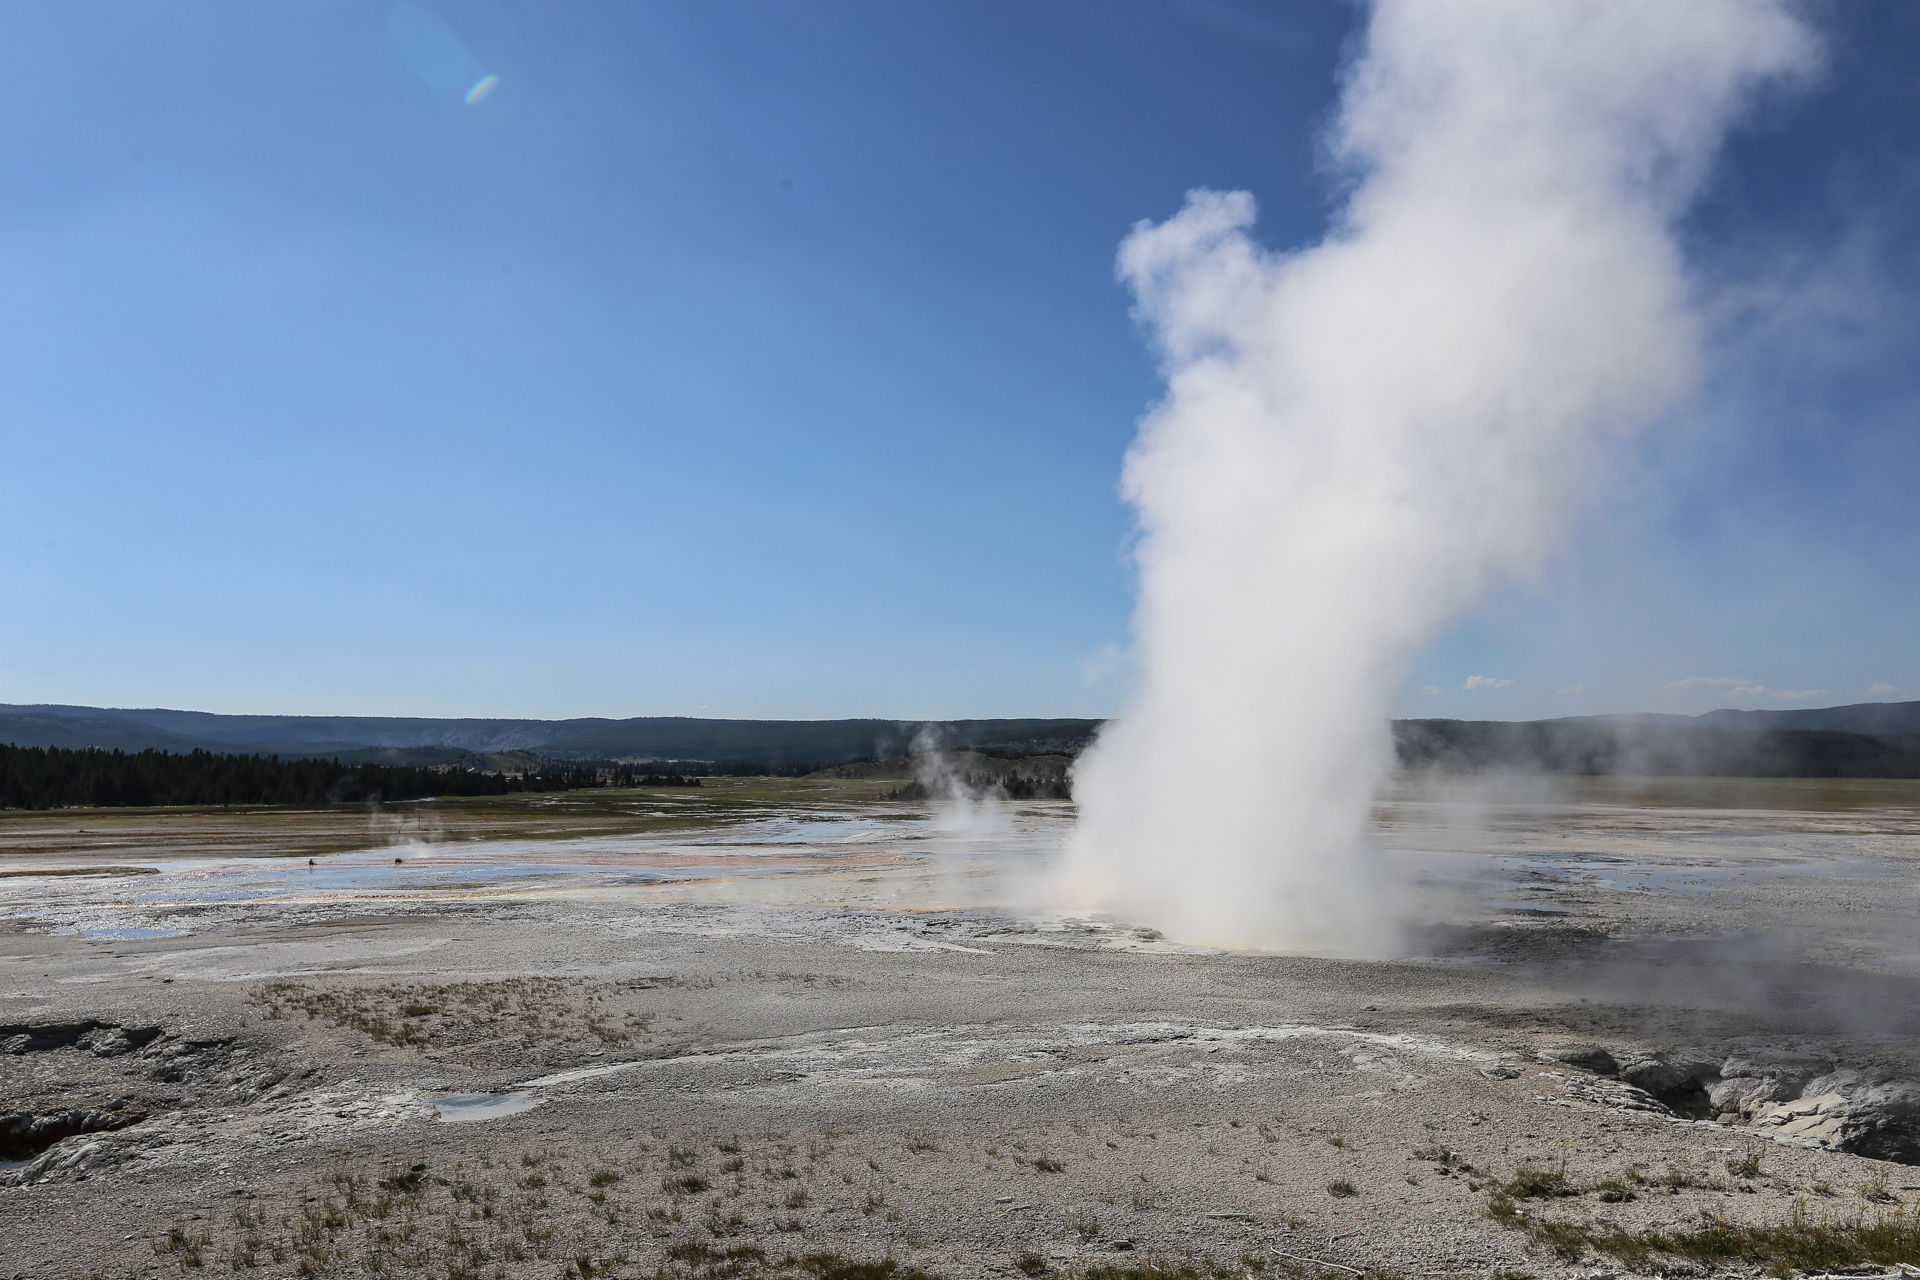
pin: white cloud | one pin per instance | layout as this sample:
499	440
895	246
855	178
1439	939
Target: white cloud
1731	688
1568	689
1486	682
1883	691
1708	682
1427	691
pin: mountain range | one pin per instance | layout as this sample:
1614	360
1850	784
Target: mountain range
1857	717
418	740
1724	741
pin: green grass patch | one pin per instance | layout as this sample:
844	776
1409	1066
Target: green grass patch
1531	1183
1800	1243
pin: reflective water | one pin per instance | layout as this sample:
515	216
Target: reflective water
460	1108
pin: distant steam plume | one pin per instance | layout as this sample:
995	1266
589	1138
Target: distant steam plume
961	806
1361	438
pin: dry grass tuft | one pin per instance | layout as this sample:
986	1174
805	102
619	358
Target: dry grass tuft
527	1013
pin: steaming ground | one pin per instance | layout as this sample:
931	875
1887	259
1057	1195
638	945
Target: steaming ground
799	1020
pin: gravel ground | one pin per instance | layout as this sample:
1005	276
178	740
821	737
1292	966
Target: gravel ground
832	1048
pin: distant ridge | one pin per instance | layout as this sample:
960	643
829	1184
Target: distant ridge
1856	717
401	739
1633	746
1868	739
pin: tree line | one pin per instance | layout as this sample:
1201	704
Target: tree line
627	775
1011	787
692	769
1594	747
88	777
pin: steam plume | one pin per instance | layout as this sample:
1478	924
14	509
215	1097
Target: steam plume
959	806
1359	439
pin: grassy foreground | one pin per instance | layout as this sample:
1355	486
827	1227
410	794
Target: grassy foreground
1803	1242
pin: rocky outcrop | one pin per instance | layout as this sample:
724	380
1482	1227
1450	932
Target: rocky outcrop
1808	1103
55	1139
1584	1055
1748	1087
1846	1111
1682	1082
23	1134
102	1039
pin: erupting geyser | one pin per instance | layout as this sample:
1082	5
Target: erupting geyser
1359	439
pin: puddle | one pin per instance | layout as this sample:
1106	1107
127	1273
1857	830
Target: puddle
458	1108
128	932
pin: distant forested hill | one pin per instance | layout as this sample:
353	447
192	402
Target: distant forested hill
1886	718
374	738
1861	717
1875	739
1626	746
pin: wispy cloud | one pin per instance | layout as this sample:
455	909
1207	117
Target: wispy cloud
1886	691
1486	682
1566	690
1731	688
1427	691
1110	662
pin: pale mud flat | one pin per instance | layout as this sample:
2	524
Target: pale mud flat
805	1023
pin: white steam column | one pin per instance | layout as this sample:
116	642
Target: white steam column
1359	439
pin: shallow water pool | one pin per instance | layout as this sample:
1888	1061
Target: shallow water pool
462	1108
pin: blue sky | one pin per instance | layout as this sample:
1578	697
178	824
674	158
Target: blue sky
765	359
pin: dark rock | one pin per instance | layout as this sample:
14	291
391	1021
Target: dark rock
1587	1057
1661	1072
1682	1081
39	1037
23	1134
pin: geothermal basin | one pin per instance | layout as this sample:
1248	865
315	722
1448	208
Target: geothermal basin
753	1025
